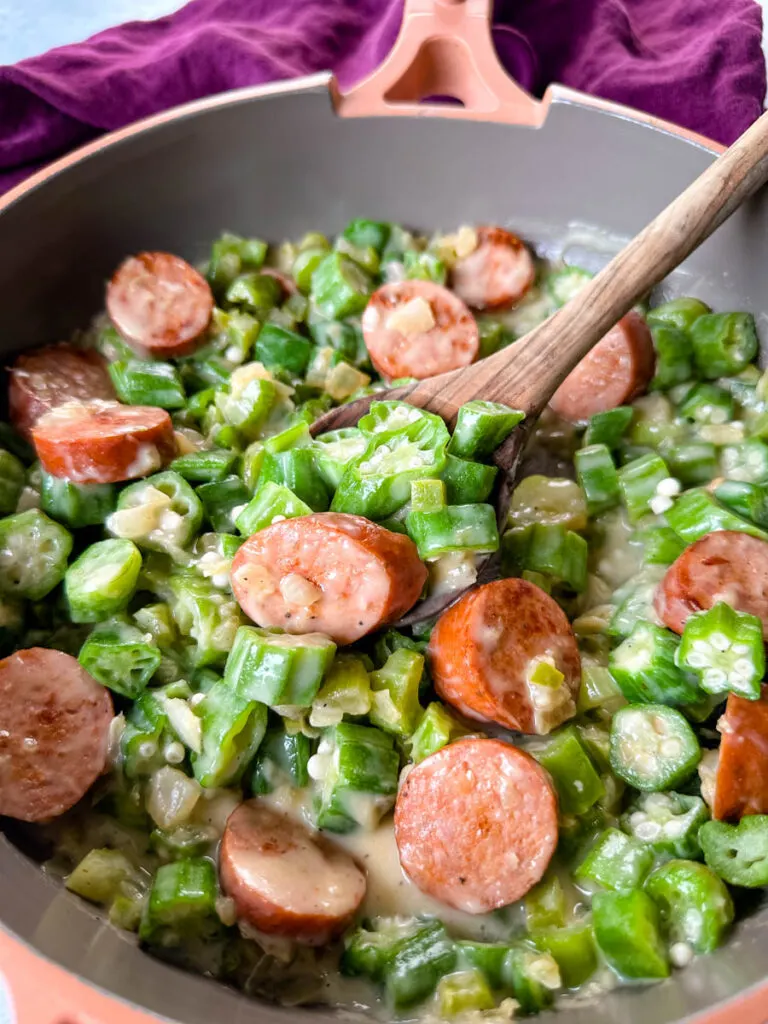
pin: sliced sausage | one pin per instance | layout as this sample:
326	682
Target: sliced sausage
54	732
484	649
160	304
418	329
104	442
497	273
618	368
723	566
476	824
285	880
48	377
741	780
329	572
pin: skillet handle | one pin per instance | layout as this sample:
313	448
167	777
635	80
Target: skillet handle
444	49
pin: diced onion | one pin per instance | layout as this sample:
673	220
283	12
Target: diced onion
171	797
414	317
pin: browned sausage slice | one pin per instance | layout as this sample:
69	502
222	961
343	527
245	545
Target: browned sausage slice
741	780
48	377
330	573
485	648
104	442
160	304
723	566
497	274
617	369
476	824
418	329
285	880
54	732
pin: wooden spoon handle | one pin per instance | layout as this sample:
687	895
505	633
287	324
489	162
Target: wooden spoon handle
526	375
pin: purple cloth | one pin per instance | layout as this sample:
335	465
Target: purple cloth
695	62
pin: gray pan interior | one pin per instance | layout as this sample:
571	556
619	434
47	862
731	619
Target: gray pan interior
277	165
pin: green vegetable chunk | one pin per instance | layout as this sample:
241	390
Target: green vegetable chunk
223	501
436	729
207	618
750	501
608	427
723	343
138	382
563	284
102	580
453	528
278	668
232	728
697	513
395	704
616	862
627	930
120	657
532	975
161	513
418	964
738	853
282	758
545	904
467	483
481	427
76	505
639	481
12	480
360	781
578	784
548	549
724	649
692	462
207	466
33	554
653	747
463	992
573	950
645	667
271	503
747	461
681	313
674	356
598	478
181	903
695	906
668	823
335	450
99	875
340	287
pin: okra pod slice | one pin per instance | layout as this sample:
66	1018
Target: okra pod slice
102	580
463	992
270	504
278	669
181	903
207	466
157	619
573	949
304	266
231	254
747	500
436	729
356	768
33	554
653	747
280	349
668	823
453	528
467	482
549	549
646	668
695	907
258	293
598	689
627	930
608	427
697	513
205	616
578	784
232	728
12	479
120	657
418	964
340	287
674	356
335	450
223	501
616	862
364	233
532	975
724	649
295	469
182	842
545	904
161	513
723	343
379	482
660	545
281	759
346	690
395	693
747	462
76	505
481	427
738	853
639	482
246	405
681	313
386	420
707	404
424	266
369	951
598	477
139	382
563	284
692	462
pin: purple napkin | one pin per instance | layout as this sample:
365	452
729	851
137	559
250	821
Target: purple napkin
695	62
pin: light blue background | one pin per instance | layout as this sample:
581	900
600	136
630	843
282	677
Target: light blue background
28	27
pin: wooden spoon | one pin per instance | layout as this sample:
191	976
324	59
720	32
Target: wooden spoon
526	374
